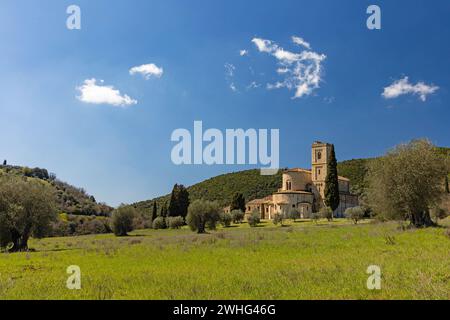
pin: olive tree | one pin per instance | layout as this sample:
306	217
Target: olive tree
27	208
202	214
407	183
355	214
122	220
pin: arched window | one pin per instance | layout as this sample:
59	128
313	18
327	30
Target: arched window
319	155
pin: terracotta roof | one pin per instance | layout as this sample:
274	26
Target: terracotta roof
292	191
309	171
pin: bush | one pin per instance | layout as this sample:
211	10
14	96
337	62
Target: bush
294	214
122	220
326	213
237	216
202	214
315	216
254	218
278	219
225	219
159	223
175	222
355	214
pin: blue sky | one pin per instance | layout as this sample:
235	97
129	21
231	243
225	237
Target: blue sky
122	154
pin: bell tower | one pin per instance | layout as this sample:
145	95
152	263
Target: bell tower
319	164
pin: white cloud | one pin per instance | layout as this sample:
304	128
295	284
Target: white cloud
91	92
148	70
243	53
233	87
302	70
403	86
264	45
253	85
301	42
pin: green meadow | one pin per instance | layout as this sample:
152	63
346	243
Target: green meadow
303	260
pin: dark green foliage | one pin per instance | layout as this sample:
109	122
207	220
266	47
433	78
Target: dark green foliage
154	211
164	210
68	199
4	162
222	188
202	214
254	219
332	182
238	202
75	225
446	185
175	222
122	220
159	223
179	201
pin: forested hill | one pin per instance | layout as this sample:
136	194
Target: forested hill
253	185
69	199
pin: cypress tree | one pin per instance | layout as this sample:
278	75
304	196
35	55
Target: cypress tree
164	210
183	200
154	211
446	184
179	201
332	182
238	202
174	208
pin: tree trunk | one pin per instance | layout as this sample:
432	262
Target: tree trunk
20	242
421	219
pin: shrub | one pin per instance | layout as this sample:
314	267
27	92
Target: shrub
159	223
315	216
294	214
278	219
225	219
326	213
175	222
355	214
254	218
237	216
202	214
122	220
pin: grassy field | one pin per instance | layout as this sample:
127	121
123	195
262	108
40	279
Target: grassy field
301	261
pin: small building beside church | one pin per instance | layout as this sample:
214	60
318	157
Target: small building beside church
304	190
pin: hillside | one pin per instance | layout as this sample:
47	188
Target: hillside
253	185
69	199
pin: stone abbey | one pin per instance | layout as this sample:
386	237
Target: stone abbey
304	189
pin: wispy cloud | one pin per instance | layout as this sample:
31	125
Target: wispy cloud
301	42
302	70
243	53
229	69
403	86
91	92
148	71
